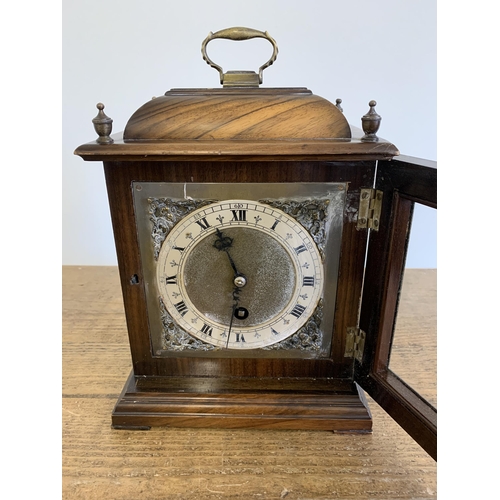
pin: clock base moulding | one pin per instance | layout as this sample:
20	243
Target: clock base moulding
306	404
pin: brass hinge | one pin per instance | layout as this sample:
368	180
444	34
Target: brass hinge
355	343
370	205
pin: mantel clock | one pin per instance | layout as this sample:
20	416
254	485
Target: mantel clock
241	218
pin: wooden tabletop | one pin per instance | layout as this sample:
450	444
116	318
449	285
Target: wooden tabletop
166	463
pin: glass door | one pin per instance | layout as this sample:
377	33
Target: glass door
398	367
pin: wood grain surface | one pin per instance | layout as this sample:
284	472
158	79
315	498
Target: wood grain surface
241	150
165	463
241	114
120	175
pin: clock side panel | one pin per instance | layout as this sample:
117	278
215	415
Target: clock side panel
119	178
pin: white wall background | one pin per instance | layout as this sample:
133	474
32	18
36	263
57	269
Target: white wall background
123	52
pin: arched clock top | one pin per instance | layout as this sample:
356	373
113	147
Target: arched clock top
237	114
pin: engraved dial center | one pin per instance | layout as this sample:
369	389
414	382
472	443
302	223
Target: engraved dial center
267	285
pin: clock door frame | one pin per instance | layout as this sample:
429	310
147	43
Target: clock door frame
403	181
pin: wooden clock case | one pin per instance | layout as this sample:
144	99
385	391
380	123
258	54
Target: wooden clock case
266	135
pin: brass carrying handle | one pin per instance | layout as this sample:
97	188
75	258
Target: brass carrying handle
236	78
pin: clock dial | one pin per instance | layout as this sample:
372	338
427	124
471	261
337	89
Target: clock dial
239	274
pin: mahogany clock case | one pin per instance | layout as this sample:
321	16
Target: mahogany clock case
236	391
238	137
120	176
284	393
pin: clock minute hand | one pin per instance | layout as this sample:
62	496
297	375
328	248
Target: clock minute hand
233	265
223	243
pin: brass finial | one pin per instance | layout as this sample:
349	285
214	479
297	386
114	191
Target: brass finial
338	103
371	123
103	125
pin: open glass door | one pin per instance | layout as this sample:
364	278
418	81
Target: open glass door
409	190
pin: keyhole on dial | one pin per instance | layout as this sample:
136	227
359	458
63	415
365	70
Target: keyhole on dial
241	313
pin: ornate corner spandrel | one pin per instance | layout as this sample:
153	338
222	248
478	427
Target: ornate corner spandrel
164	213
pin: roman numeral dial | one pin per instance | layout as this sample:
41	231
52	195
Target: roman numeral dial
203	223
239	274
298	310
308	281
239	215
181	307
207	329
